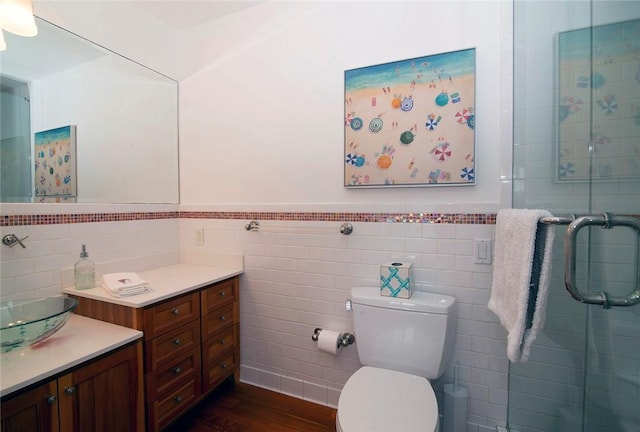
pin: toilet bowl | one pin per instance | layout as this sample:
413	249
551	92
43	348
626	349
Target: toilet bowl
402	344
376	399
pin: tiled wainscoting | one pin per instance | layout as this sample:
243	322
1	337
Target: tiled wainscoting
298	273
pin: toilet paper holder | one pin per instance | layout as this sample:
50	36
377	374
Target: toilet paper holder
344	339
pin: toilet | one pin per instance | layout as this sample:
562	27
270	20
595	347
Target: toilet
402	344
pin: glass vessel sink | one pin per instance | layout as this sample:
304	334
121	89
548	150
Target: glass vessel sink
28	321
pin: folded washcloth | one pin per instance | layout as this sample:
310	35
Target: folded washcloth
521	271
128	293
124	284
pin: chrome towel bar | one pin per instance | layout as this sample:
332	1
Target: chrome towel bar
606	221
345	229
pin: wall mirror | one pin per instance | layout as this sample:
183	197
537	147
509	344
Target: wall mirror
125	118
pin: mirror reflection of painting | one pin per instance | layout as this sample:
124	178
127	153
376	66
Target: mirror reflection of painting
598	113
126	113
411	122
55	164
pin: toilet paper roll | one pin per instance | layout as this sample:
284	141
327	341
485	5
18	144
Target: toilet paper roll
328	341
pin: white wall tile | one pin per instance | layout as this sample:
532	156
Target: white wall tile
294	283
285	293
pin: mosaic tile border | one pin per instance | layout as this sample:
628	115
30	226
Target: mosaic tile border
448	218
458	218
430	218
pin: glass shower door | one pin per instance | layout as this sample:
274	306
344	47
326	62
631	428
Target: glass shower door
15	142
577	151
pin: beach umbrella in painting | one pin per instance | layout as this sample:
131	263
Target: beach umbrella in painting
566	170
406	137
432	121
573	104
442	151
597	80
347	119
462	116
471	121
407	104
568	105
375	125
356	123
442	99
608	104
354	159
467	174
384	161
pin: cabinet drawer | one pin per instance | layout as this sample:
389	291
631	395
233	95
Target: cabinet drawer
169	345
171	314
217	295
168	408
171	374
217	370
217	320
219	342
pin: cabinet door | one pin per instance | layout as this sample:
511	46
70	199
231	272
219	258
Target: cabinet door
105	395
33	411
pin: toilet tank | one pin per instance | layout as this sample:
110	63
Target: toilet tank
412	335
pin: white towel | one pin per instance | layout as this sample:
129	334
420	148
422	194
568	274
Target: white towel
124	284
521	271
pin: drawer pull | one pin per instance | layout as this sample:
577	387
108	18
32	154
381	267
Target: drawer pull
178	399
177	370
70	390
52	399
176	341
222	342
176	311
222	318
223	366
222	294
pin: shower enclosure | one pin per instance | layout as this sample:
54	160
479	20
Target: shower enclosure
15	143
577	152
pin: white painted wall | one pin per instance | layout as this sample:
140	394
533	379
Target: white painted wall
261	94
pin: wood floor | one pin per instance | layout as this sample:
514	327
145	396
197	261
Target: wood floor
238	407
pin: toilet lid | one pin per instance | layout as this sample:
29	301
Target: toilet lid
375	399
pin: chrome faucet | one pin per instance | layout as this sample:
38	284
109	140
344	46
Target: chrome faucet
11	240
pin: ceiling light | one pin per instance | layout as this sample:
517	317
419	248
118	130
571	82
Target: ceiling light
16	16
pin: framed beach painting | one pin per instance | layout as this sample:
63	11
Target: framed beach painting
598	103
411	122
55	164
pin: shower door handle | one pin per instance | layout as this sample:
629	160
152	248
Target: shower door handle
607	221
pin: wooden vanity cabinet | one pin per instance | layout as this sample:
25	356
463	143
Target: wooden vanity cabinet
191	344
33	411
105	395
101	395
172	364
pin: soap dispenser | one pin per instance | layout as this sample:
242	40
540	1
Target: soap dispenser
84	271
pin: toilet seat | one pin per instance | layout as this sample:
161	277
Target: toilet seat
376	399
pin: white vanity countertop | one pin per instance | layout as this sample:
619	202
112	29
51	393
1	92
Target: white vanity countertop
79	340
165	282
